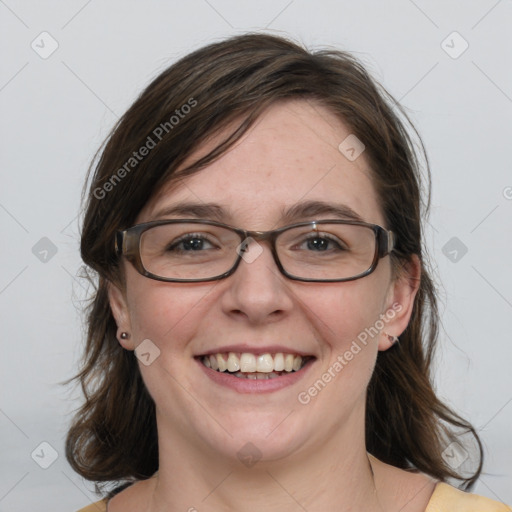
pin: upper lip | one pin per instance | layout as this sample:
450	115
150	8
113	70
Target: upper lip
259	349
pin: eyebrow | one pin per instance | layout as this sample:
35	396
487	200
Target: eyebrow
309	209
299	211
193	210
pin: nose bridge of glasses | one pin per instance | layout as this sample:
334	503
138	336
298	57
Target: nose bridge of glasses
252	245
267	237
258	236
262	236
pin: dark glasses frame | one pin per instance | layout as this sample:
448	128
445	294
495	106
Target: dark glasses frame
127	244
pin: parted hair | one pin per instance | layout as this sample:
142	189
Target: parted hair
228	84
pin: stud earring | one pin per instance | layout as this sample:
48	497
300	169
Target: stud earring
125	335
391	338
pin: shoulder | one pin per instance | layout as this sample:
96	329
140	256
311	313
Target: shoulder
99	506
102	505
449	499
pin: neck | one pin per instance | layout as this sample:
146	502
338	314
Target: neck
335	476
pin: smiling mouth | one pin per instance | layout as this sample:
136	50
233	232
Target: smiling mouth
255	366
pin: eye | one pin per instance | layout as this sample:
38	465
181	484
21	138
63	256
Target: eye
321	243
191	242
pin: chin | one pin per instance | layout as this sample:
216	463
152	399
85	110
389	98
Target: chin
260	437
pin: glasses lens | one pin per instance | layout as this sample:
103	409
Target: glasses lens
327	251
188	250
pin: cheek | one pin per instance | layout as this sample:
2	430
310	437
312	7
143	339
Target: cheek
169	316
166	313
346	318
348	309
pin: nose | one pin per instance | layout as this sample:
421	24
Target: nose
257	291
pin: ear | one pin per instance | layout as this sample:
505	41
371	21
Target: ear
400	302
119	308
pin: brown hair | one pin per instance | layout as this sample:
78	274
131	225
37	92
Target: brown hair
113	436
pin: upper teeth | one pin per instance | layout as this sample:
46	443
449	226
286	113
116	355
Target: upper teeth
248	362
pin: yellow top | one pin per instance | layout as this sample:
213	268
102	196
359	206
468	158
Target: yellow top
449	499
444	499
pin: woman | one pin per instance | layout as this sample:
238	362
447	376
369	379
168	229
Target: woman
263	327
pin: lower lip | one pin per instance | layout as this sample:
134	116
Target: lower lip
243	385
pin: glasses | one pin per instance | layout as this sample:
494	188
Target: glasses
190	251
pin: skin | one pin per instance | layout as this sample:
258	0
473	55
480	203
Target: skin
314	455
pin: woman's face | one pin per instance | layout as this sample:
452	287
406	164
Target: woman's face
288	159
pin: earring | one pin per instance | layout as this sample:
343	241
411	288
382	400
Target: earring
391	338
125	335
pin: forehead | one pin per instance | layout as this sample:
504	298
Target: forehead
291	155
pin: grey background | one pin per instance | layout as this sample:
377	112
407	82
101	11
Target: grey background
57	110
